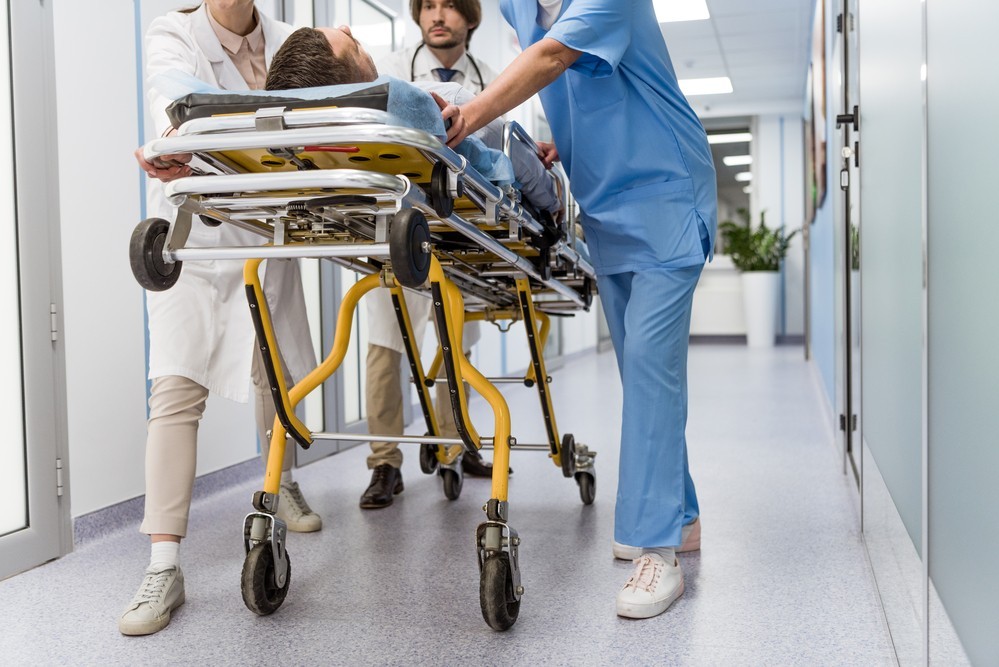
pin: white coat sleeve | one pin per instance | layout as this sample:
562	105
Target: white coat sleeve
168	46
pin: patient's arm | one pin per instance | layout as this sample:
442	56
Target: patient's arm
536	184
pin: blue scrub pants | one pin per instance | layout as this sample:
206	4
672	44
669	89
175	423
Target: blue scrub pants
648	313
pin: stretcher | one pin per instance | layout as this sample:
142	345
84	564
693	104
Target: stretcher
336	179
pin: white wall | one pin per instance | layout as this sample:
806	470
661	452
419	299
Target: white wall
99	200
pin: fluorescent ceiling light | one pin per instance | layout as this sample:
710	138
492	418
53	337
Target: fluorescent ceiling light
671	11
737	160
744	176
748	189
730	138
711	86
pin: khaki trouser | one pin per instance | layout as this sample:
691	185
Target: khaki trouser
176	405
384	400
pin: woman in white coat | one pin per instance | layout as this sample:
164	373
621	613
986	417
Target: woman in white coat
201	338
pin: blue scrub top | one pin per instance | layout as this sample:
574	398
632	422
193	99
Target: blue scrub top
636	154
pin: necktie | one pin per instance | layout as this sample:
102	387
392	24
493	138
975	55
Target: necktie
444	74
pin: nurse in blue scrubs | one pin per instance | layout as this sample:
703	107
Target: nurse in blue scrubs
641	169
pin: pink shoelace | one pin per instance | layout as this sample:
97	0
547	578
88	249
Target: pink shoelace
647	573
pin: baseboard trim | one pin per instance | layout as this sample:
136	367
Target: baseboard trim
128	514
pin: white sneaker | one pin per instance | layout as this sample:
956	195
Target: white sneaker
295	512
690	534
160	593
651	589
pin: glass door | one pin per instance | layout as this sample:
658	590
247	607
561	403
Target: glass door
34	499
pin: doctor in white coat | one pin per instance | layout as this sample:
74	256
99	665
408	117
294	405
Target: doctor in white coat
201	338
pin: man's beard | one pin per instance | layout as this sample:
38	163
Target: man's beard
449	42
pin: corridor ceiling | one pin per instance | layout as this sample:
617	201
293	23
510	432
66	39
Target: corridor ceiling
763	46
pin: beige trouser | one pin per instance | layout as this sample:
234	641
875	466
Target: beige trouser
176	405
384	400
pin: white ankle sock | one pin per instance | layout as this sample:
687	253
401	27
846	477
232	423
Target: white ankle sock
668	553
165	554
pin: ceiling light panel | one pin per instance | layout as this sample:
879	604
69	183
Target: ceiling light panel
718	85
730	138
737	160
673	11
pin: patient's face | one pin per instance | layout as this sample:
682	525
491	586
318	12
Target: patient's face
346	47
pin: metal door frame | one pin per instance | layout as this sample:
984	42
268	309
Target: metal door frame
48	534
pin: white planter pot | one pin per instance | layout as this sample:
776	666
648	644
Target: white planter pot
759	293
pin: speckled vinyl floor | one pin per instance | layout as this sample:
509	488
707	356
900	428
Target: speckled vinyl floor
782	578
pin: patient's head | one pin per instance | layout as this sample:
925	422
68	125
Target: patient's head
320	57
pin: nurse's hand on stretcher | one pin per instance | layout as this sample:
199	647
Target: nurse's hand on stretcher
165	167
547	153
456	127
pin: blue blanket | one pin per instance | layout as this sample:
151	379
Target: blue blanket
408	106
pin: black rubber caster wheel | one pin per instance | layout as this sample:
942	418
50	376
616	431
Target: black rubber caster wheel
261	594
428	458
410	259
568	455
145	254
499	606
587	487
440	198
452	483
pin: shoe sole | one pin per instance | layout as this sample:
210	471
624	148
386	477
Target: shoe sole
627	610
149	627
693	543
304	528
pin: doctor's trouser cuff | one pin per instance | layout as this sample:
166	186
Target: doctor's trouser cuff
384	400
176	405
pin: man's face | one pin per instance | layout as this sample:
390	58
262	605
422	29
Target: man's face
442	25
346	47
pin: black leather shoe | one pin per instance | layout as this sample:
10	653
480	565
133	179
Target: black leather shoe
473	465
386	482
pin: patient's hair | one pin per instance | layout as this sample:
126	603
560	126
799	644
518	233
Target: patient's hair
470	10
306	60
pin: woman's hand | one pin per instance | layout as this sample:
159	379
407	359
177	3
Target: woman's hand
458	129
165	167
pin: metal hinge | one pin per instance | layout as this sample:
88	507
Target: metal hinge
59	477
853	422
842	422
53	322
839	23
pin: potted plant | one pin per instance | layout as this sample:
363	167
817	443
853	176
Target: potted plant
757	252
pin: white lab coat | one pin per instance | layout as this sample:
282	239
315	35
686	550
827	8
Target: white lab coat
417	64
201	327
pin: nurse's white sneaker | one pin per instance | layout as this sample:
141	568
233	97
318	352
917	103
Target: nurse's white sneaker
161	592
652	587
295	512
690	534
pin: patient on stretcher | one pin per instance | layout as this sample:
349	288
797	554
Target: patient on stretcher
312	58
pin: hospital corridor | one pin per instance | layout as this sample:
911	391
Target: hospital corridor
781	577
482	332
